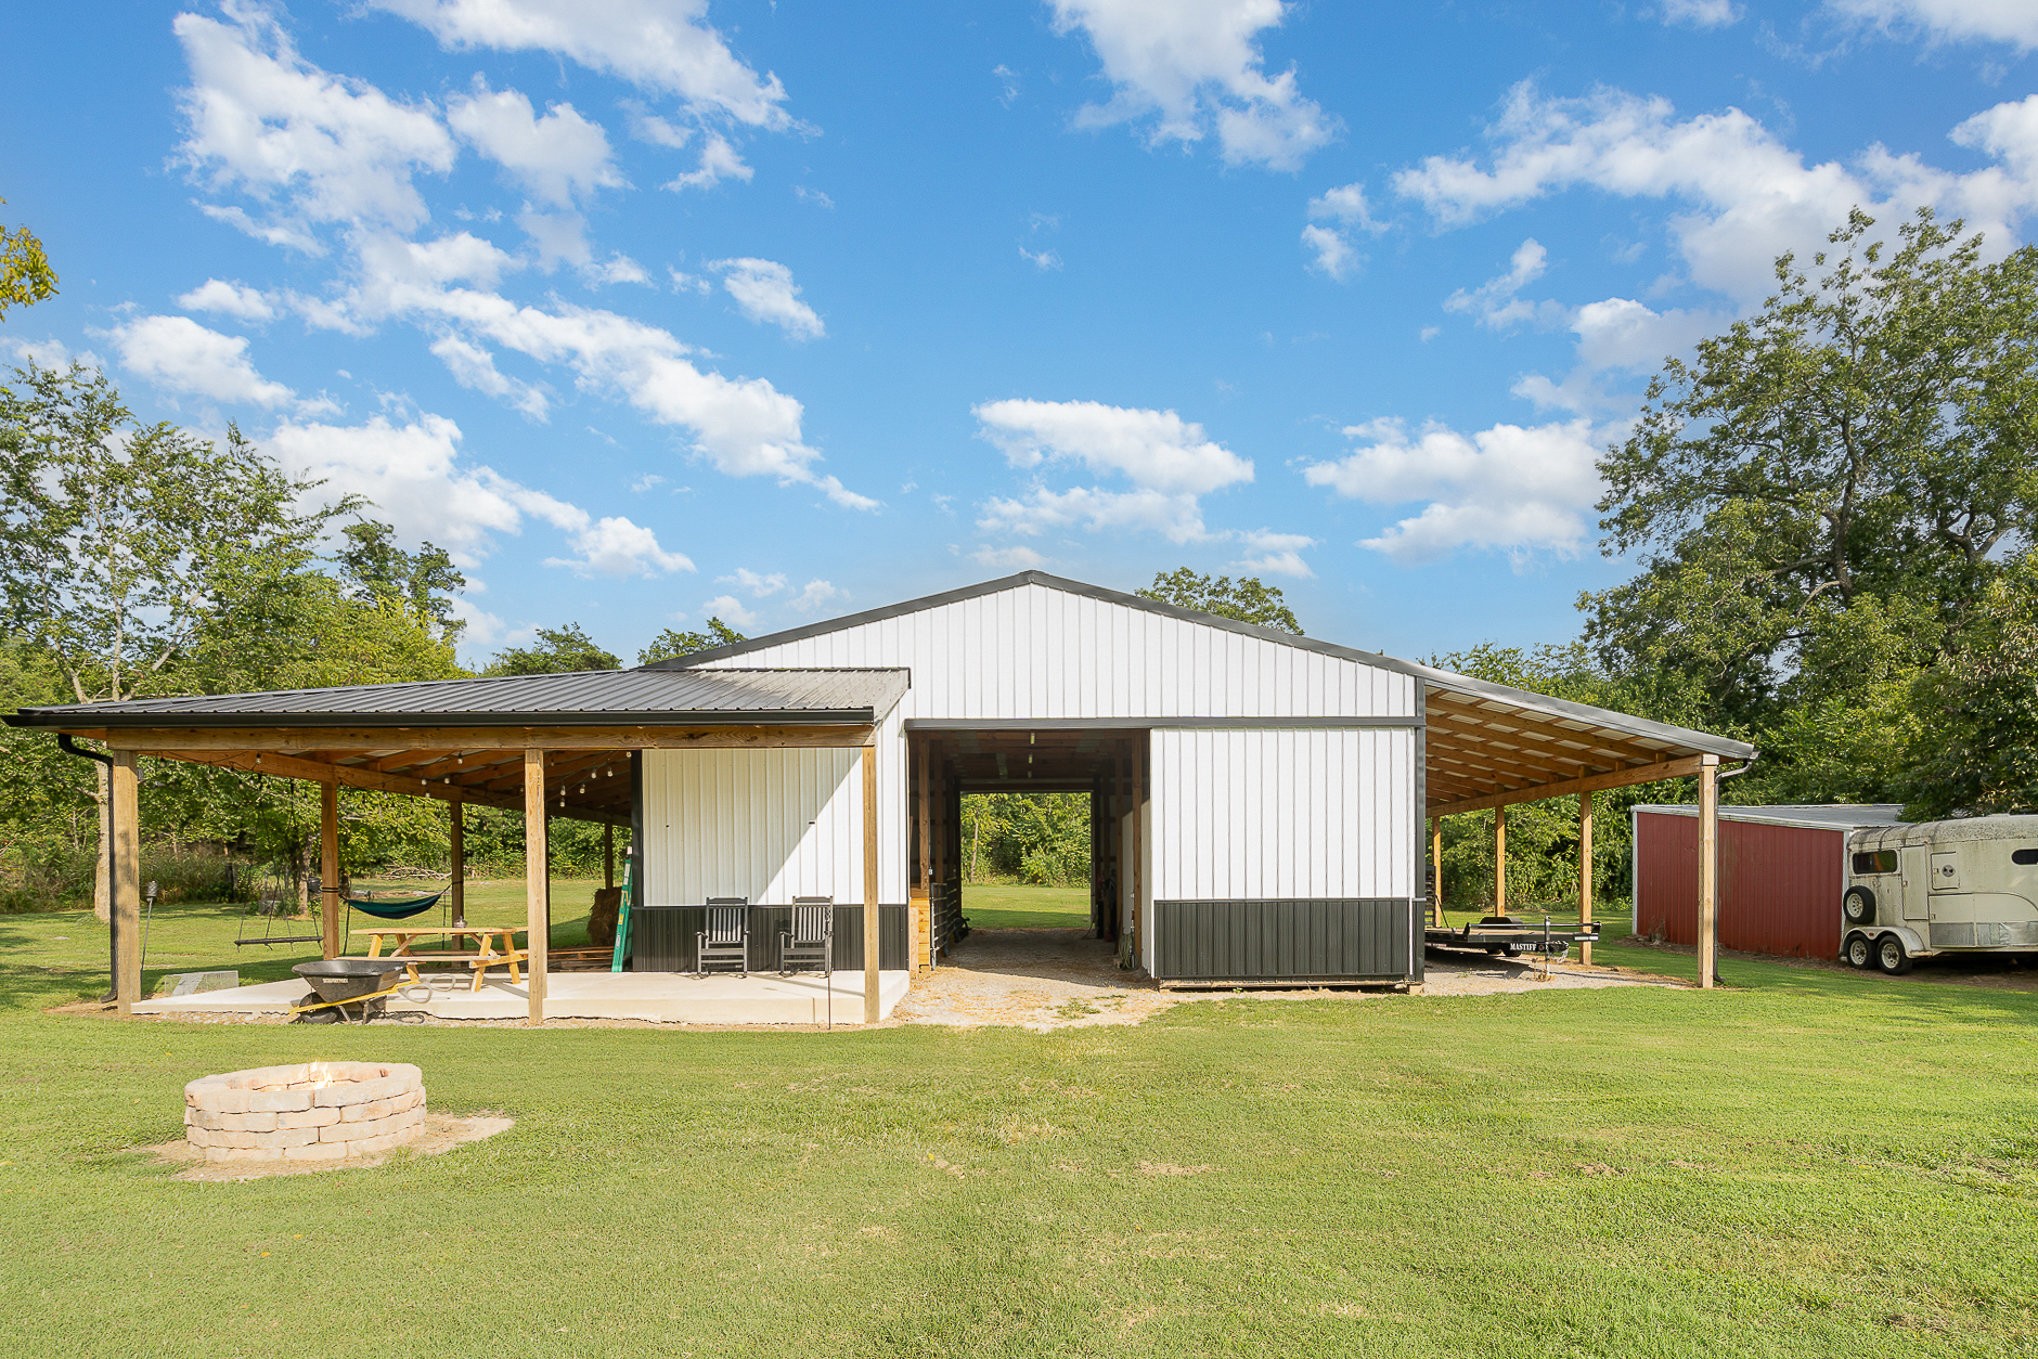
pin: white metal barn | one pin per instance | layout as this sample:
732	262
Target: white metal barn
1259	799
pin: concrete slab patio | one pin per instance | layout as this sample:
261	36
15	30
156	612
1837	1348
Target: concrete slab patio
651	997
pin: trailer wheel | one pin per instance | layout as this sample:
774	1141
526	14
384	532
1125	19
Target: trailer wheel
1860	952
1891	956
1858	906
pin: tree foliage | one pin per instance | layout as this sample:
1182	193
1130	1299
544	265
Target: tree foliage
26	277
1247	599
1037	838
557	651
1820	496
1975	745
672	644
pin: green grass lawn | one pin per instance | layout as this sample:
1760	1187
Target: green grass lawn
1816	1164
1008	906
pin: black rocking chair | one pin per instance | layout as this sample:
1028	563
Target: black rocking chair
726	940
810	943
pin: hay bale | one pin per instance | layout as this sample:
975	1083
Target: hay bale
601	917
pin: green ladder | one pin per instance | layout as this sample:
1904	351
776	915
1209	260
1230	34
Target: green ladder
623	918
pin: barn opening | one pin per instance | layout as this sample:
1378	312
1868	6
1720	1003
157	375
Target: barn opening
1054	805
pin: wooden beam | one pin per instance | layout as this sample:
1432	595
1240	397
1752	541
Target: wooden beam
457	846
1500	860
537	883
296	767
1478	753
1436	868
924	802
125	917
1708	869
871	996
1595	738
1585	871
608	856
151	740
330	905
1619	778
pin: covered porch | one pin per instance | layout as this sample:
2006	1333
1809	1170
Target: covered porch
548	746
1488	747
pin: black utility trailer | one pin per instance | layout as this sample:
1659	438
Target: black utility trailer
1505	935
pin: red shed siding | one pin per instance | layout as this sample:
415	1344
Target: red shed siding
1779	885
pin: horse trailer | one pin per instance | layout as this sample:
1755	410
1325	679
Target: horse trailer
1932	887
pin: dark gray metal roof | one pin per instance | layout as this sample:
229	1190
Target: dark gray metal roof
845	697
1706	742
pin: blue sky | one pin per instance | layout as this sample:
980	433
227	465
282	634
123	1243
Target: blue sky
651	309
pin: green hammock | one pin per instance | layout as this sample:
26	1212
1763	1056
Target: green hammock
394	908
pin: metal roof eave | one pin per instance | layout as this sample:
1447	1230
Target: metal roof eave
78	717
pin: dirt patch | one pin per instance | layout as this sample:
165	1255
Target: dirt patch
443	1132
1064	979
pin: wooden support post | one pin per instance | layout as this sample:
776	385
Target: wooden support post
124	915
871	998
457	847
1585	871
1436	869
608	855
1500	860
1708	869
330	904
537	883
924	802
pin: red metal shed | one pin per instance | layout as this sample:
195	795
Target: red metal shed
1782	870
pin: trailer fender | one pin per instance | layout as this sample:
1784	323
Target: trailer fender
1914	943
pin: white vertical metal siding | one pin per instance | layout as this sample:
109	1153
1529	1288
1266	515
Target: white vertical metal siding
1310	813
1038	652
769	825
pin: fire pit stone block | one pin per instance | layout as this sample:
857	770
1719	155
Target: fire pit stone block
313	1111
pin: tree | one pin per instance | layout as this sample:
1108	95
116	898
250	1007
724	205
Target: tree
672	644
1248	599
557	651
121	543
25	274
1821	494
375	569
1975	747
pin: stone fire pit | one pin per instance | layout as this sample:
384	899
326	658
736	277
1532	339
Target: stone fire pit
313	1111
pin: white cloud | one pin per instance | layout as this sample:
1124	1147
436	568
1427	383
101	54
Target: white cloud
615	546
229	299
1506	488
1043	260
310	146
479	627
1330	251
2008	21
1015	558
1701	13
1746	197
181	356
730	610
720	160
1158	450
760	584
1621	334
648	127
817	595
1275	554
1195	67
1498	303
419	481
1169	462
814	197
765	292
560	158
619	269
474	367
665	46
1336	217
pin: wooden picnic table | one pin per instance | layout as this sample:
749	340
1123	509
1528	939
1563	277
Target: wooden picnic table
485	955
